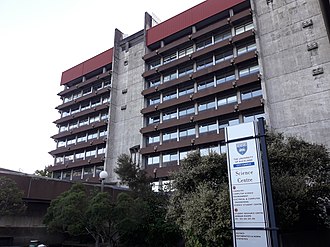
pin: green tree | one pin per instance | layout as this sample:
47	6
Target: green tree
44	173
78	212
11	202
141	215
300	181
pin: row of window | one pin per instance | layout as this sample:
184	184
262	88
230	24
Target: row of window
201	44
86	105
196	87
199	129
78	173
87	90
202	106
84	121
83	137
81	155
202	64
174	157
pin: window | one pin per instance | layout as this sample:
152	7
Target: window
81	138
77	95
154	64
88	171
92	135
208	150
251	94
86	91
186	51
59	159
154	100
80	155
228	122
169	115
223	56
227	100
170	136
225	77
204	43
76	173
65	113
85	106
106	83
97	86
63	128
71	141
205	84
185	71
104	116
206	106
208	127
57	175
249	70
222	36
61	144
186	111
68	158
187	132
75	110
184	154
67	99
153	160
83	122
105	99
244	28
100	151
94	119
202	64
98	169
91	153
169	158
103	133
96	102
253	117
153	82
153	119
170	76
66	175
169	58
153	139
246	48
169	95
186	90
73	125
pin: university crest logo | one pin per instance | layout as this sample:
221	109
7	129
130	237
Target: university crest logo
241	148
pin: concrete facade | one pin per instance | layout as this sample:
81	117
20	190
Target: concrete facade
291	50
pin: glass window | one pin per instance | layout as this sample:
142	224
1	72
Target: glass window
85	106
75	110
91	153
76	173
97	86
154	64
169	95
94	119
67	99
104	116
170	157
65	113
154	119
98	169
204	43
228	122
169	115
68	158
186	111
106	83
244	28
205	84
92	135
100	150
187	132
153	139
81	138
202	64
61	144
87	90
66	175
153	160
57	175
79	156
96	102
208	127
225	77
223	56
169	58
77	95
208	150
246	48
253	117
83	122
59	159
249	70
227	100
71	141
73	125
88	171
251	94
64	128
170	76
103	133
170	136
206	106
153	82
154	100
186	51
185	71
105	99
222	36
186	90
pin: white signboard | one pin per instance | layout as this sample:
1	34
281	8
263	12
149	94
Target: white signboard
246	187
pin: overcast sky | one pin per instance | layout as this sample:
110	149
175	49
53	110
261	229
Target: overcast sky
39	39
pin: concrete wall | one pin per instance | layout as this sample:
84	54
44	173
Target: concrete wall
297	100
125	117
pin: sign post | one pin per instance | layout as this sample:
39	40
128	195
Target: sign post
250	218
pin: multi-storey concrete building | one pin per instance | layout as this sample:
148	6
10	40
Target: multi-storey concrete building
173	87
